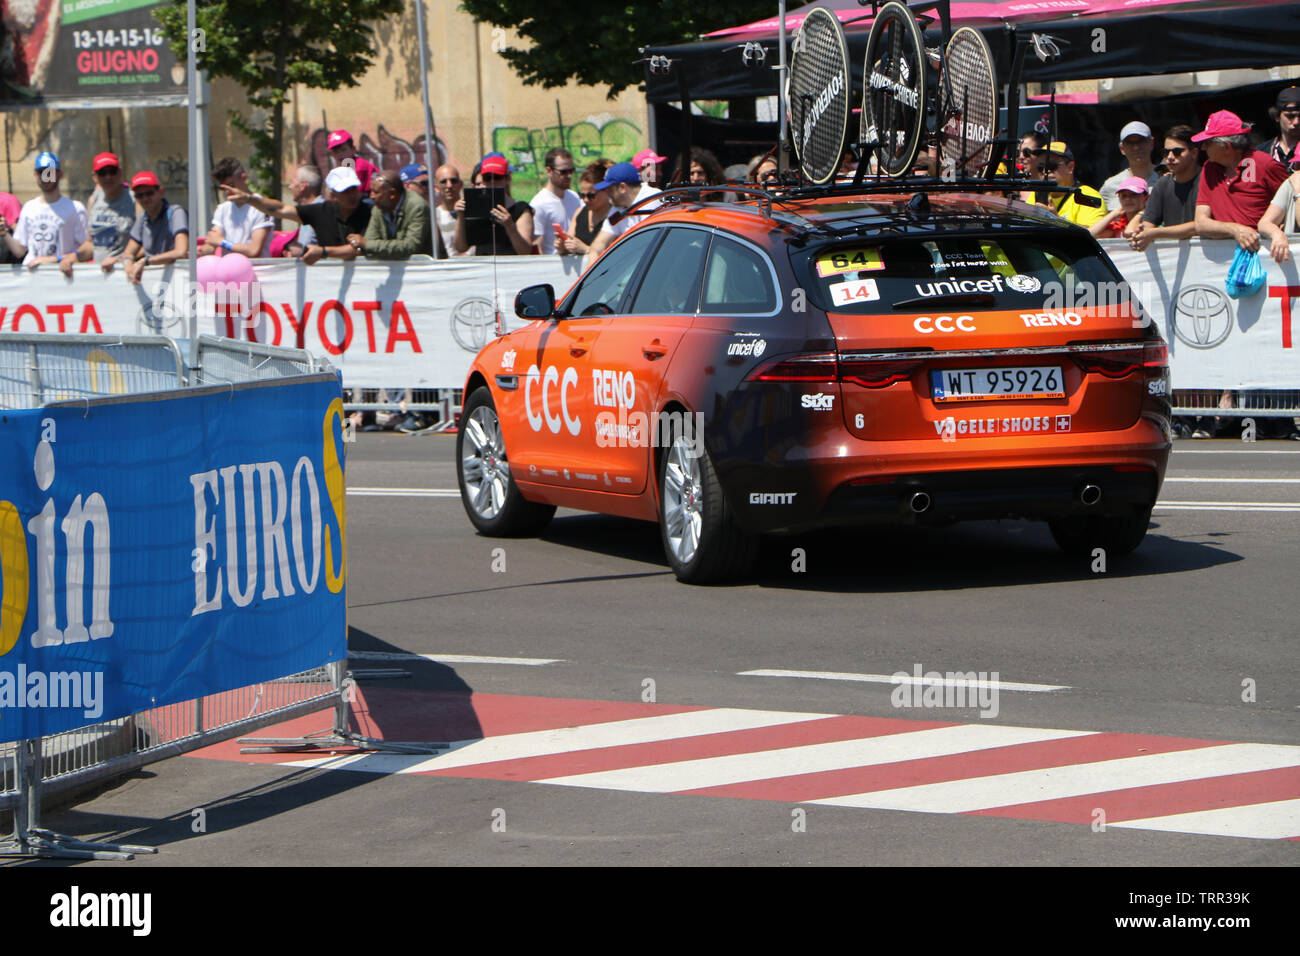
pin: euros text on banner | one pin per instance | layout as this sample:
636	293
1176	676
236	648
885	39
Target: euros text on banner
162	548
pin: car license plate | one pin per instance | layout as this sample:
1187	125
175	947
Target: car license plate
989	384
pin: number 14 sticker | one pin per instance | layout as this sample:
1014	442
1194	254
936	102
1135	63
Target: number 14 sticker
851	293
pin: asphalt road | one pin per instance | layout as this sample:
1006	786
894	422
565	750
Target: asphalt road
1161	644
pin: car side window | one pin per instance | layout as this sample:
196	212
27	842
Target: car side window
602	290
672	283
738	281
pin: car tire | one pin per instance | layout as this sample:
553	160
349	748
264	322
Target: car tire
1117	535
491	498
701	538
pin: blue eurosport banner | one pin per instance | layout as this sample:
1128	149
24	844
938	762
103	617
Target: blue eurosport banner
159	548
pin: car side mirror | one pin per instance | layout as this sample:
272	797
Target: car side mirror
535	302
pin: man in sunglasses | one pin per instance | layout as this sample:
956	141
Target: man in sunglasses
1171	210
112	210
1059	160
447	189
161	233
555	203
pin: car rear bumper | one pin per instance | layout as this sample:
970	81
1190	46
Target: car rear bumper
1113	473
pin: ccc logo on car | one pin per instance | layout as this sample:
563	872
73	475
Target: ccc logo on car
945	323
546	380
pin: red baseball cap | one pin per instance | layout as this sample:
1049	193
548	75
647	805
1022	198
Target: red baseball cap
1222	123
495	165
144	179
105	159
338	138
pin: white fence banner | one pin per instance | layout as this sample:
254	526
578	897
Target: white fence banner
1216	341
417	324
413	324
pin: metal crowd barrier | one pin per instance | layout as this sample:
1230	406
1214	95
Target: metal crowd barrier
37	368
1254	403
40	368
222	361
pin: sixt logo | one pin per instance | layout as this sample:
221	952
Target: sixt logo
821	401
772	498
508	360
755	348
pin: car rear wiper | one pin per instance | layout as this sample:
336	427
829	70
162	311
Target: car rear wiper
952	298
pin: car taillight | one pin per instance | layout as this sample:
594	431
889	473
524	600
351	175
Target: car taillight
812	367
1152	358
878	373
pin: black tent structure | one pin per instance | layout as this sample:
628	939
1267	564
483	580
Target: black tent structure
1103	39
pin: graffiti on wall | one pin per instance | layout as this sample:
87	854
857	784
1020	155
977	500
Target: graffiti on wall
383	149
525	148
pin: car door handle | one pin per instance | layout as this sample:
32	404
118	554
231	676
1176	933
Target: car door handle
577	351
654	350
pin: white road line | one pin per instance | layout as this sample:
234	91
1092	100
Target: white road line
1235	481
405	492
1054	783
811	758
1226	451
615	733
905	679
452	658
1282	506
1278	820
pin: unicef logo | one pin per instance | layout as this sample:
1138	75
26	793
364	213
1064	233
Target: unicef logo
1202	316
473	323
1024	283
759	348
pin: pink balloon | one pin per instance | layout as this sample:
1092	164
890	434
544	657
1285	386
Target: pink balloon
217	270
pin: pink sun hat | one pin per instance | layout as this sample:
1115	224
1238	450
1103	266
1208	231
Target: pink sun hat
1222	123
647	156
1134	184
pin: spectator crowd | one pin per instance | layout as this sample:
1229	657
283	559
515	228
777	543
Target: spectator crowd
1218	182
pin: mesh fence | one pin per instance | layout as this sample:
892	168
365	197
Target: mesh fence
37	369
223	361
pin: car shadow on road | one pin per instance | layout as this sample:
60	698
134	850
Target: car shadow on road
867	559
977	554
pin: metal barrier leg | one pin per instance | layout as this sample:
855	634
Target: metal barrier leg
31	840
341	734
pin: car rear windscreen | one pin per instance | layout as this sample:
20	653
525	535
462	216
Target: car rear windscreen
987	273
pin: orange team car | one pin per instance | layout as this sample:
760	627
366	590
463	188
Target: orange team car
825	358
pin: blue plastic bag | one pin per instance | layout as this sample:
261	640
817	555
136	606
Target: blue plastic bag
1245	275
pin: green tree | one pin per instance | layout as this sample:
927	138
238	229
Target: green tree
595	42
266	46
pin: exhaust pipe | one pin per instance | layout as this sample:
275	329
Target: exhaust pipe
919	502
1090	495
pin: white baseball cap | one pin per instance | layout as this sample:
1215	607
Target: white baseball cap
342	178
1135	129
